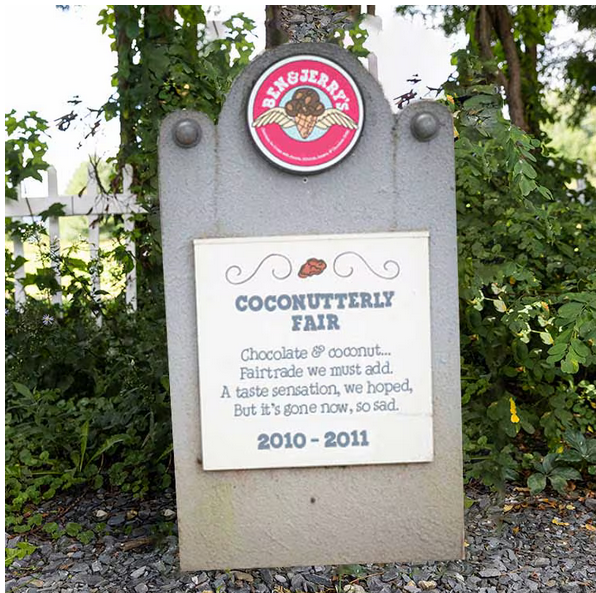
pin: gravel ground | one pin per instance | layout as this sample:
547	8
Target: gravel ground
523	544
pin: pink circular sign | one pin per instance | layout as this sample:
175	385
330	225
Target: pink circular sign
305	113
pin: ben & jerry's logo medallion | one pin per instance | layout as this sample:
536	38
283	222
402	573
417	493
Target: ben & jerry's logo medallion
305	113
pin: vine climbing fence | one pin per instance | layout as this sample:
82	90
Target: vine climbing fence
96	206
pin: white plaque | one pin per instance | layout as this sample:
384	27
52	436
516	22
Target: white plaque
314	350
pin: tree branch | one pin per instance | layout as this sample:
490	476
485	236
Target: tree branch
503	25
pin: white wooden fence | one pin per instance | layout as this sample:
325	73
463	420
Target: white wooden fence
92	204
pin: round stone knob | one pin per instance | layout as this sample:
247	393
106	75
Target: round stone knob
187	133
424	126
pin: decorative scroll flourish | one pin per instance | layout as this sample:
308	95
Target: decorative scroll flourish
233	273
391	267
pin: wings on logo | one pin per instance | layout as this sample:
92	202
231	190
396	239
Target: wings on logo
277	115
305	111
335	117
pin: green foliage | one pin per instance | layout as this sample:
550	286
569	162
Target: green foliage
20	551
24	150
542	58
88	403
357	36
166	64
550	469
581	451
580	69
85	403
527	292
576	143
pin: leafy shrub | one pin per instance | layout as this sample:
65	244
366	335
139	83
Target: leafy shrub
527	278
85	402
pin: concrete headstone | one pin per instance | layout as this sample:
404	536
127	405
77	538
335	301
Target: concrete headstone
310	263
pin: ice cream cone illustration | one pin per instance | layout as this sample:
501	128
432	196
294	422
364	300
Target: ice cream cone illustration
305	111
305	124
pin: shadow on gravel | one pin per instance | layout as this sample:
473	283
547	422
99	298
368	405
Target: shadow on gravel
112	543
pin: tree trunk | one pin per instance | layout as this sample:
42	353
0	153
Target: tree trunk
503	25
274	35
482	35
125	64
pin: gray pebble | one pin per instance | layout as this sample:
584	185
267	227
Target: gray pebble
390	575
80	567
541	562
490	573
117	520
375	584
297	582
138	573
267	576
88	579
319	579
168	559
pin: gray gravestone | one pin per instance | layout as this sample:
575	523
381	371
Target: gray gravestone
397	179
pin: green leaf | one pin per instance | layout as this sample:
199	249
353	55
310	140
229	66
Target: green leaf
23	390
86	537
549	461
558	348
354	570
119	438
54	210
536	483
526	186
73	529
570	310
568	473
577	441
570	365
528	170
559	483
580	348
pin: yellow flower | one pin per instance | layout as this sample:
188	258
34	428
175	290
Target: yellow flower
513	410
